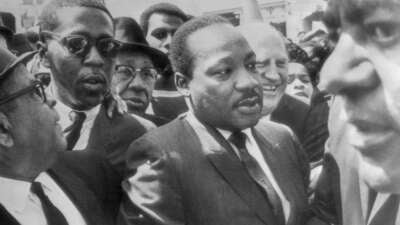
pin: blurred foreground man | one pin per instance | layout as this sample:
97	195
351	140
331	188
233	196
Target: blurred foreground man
223	169
79	49
363	71
40	184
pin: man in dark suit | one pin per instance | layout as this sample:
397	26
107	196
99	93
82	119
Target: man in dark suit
79	49
40	183
213	165
363	73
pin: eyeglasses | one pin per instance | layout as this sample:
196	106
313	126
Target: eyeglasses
125	72
80	45
37	87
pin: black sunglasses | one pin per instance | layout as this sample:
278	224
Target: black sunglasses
80	45
37	87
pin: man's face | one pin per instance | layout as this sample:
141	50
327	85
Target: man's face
272	63
135	90
161	28
225	89
81	81
299	83
34	127
364	70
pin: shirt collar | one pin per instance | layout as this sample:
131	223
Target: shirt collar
64	111
14	193
226	133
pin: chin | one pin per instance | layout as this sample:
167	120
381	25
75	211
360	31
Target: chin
377	178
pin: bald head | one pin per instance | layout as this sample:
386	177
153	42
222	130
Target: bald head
261	35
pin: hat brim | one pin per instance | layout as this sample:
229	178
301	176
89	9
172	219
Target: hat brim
159	59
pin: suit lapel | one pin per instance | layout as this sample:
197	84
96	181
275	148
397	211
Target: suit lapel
276	165
222	156
6	217
72	185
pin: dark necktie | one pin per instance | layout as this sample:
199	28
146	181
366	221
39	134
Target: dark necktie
53	215
73	132
258	175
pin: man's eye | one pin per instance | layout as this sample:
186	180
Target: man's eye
251	67
281	63
159	34
384	33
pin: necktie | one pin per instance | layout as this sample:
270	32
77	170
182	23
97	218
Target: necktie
258	175
73	132
53	215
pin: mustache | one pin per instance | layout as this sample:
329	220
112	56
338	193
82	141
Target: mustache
251	95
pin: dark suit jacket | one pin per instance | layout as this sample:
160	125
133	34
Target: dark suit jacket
111	137
89	182
308	123
177	181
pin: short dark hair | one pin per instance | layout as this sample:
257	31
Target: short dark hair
180	56
48	18
163	7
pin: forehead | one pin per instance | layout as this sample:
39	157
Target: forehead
297	68
158	20
217	39
90	21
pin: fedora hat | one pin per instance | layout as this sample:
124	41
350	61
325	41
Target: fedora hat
131	37
7	24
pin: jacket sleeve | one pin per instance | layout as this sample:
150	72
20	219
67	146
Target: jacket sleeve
151	189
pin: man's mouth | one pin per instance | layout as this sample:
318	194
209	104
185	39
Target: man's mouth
270	89
302	94
368	136
249	105
94	83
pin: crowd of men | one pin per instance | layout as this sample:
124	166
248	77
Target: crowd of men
177	119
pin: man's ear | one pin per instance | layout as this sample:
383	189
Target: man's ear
182	84
6	139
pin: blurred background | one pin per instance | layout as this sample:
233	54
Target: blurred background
291	17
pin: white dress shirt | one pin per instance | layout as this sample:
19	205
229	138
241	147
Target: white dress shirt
254	151
17	198
66	120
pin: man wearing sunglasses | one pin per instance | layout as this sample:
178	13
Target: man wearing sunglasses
79	49
40	183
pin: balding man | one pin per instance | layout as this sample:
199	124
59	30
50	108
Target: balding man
272	61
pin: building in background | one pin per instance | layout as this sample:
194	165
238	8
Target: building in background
289	16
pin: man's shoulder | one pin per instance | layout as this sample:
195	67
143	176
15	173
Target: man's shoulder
274	130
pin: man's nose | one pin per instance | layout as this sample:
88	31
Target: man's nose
50	101
136	82
167	42
94	58
271	75
298	84
247	80
347	68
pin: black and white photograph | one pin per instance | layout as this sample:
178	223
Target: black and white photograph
199	112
